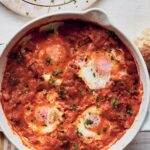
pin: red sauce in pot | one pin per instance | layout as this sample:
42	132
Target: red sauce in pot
73	88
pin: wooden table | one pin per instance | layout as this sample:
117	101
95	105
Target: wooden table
141	142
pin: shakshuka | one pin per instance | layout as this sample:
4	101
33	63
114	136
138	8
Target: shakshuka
70	85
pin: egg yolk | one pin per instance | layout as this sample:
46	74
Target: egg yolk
102	64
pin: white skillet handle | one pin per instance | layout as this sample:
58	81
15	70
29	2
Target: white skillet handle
99	16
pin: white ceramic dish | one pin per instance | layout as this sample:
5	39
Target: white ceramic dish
99	17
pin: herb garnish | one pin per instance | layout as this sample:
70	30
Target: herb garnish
97	99
45	125
73	107
51	81
18	57
56	73
89	122
94	75
104	130
92	90
78	132
114	102
75	147
129	110
48	61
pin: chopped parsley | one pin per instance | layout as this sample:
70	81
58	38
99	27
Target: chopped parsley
97	99
114	102
45	125
18	57
92	90
94	75
73	107
61	91
48	61
88	122
104	130
129	110
56	73
75	147
78	132
51	81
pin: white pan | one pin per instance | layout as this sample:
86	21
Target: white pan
99	17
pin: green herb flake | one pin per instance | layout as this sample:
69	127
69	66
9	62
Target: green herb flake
94	75
78	132
92	90
45	125
129	110
97	99
88	122
51	81
73	107
114	102
48	61
75	147
18	57
104	130
56	73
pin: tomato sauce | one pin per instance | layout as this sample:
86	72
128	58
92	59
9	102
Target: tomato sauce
47	65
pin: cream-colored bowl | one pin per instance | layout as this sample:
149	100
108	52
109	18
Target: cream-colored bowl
99	17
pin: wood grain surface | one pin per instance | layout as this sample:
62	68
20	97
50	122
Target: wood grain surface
141	142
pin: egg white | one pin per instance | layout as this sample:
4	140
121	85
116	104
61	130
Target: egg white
48	125
50	112
82	129
91	77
